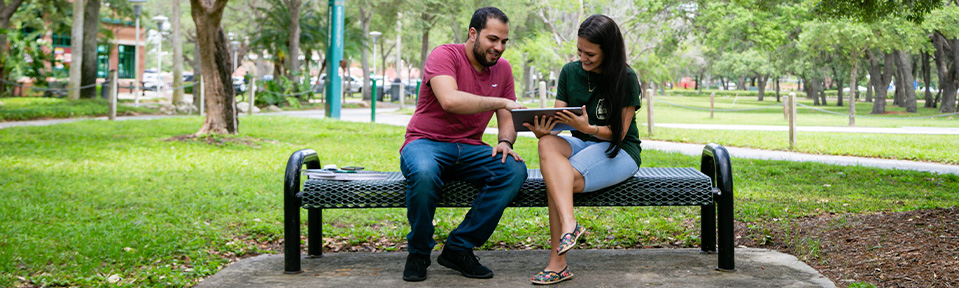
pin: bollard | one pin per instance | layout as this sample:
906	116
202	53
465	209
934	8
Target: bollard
252	93
792	121
712	103
542	94
373	102
786	108
649	109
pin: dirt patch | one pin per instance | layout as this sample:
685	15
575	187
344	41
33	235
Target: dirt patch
219	140
889	249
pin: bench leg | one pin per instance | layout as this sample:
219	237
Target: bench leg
314	242
291	207
716	164
707	233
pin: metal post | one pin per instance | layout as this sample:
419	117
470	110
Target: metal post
252	93
792	121
334	53
418	83
113	94
373	101
542	94
649	109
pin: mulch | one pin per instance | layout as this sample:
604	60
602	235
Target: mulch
917	248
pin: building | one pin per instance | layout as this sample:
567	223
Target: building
120	53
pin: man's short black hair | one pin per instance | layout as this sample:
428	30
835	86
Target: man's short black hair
483	14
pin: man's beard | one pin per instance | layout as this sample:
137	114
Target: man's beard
480	56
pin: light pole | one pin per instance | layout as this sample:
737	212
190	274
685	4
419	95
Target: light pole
374	35
136	52
160	20
236	44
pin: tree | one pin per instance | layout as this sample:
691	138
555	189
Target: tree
88	72
221	117
76	50
6	12
851	39
944	24
293	40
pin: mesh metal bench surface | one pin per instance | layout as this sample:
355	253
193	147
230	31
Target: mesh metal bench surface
710	188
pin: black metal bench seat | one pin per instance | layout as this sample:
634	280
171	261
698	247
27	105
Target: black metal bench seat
710	187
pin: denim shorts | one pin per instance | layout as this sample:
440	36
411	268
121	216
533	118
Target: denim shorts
598	170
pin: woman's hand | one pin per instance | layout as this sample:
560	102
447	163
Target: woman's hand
579	122
541	126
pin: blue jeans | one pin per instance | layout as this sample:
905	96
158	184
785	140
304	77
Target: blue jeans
426	164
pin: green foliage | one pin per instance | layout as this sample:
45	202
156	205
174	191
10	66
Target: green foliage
873	11
26	56
32	108
945	20
283	91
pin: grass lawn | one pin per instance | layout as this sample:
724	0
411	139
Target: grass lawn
32	108
90	202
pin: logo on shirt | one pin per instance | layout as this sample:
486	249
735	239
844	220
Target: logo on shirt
494	85
601	109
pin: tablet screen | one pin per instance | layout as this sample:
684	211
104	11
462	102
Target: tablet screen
521	116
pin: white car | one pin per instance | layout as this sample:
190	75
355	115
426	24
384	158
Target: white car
151	80
355	84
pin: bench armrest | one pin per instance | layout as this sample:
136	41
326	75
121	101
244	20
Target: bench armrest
291	205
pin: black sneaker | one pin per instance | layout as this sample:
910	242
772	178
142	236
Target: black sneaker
465	262
416	267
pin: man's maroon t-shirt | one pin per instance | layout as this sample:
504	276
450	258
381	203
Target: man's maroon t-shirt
430	121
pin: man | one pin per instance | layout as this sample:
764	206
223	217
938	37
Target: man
463	86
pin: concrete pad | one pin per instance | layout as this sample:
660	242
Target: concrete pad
592	268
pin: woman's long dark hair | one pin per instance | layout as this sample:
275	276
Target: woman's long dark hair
613	86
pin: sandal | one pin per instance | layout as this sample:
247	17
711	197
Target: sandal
569	240
549	277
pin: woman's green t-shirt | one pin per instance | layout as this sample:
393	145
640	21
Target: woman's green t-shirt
574	84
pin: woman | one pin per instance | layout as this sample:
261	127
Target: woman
604	149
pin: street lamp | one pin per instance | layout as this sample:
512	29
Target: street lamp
161	21
236	44
136	48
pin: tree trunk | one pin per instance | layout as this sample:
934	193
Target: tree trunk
76	51
762	85
424	51
293	41
948	77
197	75
6	11
900	83
880	74
822	93
926	77
777	89
839	92
852	85
741	83
869	90
813	89
221	117
366	16
905	70
527	79
722	80
88	72
177	56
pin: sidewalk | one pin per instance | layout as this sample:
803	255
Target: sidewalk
513	268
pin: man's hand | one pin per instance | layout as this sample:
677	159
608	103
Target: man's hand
506	150
514	105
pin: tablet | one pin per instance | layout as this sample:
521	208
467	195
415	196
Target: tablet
521	116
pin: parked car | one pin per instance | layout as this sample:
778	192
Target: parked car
151	80
239	85
355	84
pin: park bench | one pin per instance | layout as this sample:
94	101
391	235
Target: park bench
710	187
